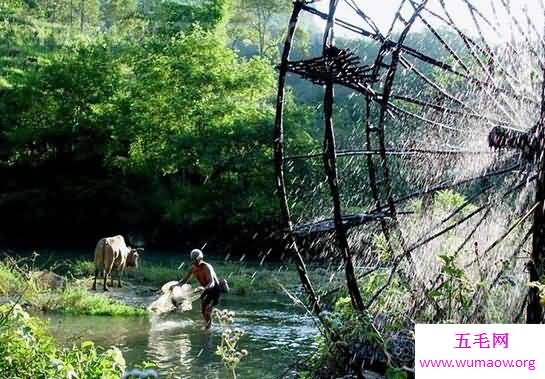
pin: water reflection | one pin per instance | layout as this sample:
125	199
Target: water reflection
169	344
276	335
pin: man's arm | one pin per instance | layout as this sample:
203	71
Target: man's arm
183	281
185	278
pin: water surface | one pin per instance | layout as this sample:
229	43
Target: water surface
276	336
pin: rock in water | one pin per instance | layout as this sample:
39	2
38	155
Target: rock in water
48	280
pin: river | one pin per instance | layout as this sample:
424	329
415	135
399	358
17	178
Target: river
277	334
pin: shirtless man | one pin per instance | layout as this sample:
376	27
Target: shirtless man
206	276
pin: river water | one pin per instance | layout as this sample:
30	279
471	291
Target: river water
276	335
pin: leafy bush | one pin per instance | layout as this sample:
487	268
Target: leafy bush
10	280
82	268
455	293
26	351
349	336
14	281
448	200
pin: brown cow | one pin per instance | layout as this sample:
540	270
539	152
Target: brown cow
111	253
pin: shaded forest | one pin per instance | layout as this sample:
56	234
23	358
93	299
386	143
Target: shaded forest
153	120
146	118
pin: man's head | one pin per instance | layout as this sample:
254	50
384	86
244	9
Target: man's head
196	255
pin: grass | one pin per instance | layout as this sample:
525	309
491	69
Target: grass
10	280
74	299
15	279
81	268
78	301
242	279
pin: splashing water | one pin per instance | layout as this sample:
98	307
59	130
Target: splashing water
175	297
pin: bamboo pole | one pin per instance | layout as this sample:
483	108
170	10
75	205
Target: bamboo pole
291	244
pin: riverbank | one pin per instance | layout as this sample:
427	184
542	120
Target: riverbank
18	277
276	333
244	279
38	293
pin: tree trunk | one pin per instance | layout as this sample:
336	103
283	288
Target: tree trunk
291	244
330	167
82	15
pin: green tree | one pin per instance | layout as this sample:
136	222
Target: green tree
259	23
113	12
60	107
170	17
200	116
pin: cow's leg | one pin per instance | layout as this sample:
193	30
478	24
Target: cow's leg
108	272
94	288
120	273
104	280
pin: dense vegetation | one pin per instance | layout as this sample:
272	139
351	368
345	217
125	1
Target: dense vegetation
153	119
120	116
27	351
24	285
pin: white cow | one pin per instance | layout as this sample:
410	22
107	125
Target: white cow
111	253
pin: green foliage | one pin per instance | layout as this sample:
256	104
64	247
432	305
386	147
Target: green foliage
455	292
170	17
26	351
206	128
331	358
74	299
382	248
541	290
79	301
10	280
62	106
448	199
182	116
350	325
394	373
80	268
449	82
257	27
242	280
351	328
115	12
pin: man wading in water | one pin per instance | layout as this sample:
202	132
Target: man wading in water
210	285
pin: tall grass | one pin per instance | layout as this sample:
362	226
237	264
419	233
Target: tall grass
242	279
10	280
15	282
78	301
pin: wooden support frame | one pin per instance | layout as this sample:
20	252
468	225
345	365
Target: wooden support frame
376	82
